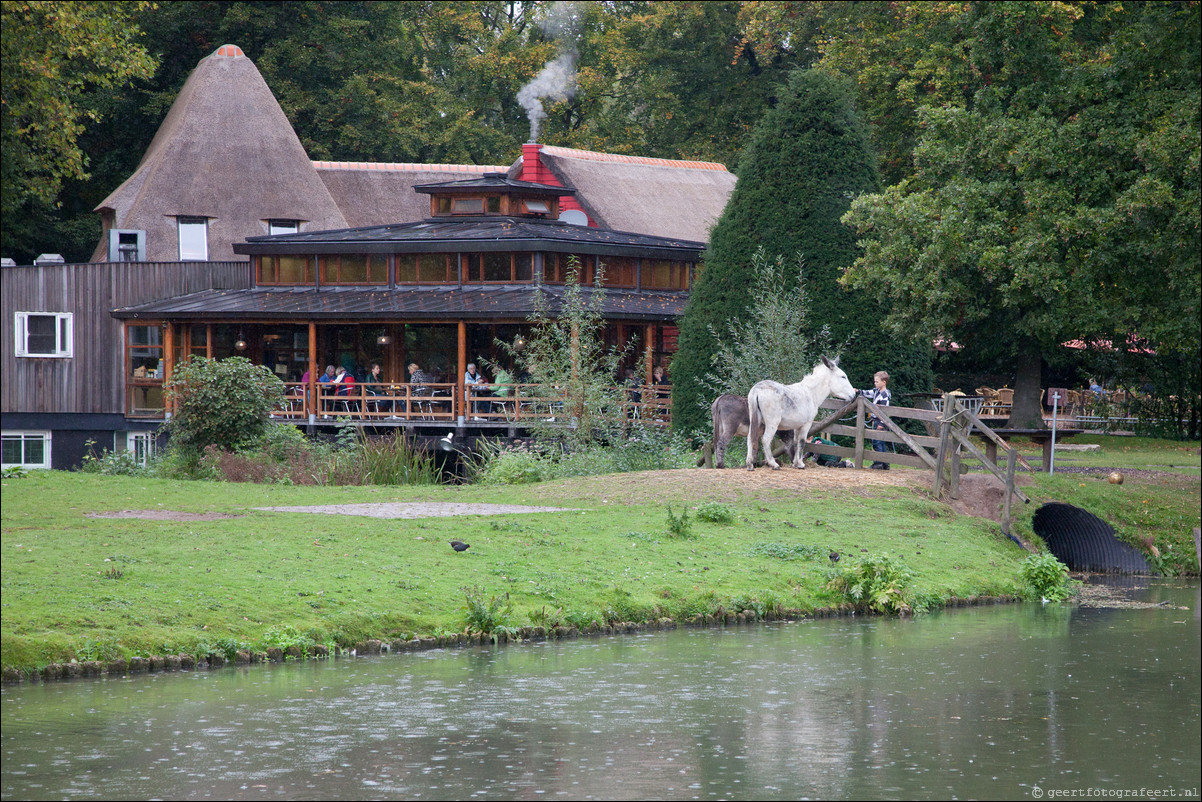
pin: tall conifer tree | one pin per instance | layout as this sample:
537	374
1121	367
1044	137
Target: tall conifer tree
808	158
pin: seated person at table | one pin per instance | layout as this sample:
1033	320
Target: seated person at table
327	378
471	379
374	386
345	380
419	381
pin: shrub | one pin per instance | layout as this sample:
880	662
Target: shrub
110	463
715	513
680	526
225	403
1046	577
874	583
487	616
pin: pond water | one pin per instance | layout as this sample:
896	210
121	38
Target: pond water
1007	702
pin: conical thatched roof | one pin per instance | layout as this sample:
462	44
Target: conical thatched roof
225	152
661	197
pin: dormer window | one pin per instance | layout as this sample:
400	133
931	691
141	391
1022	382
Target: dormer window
283	227
193	239
538	207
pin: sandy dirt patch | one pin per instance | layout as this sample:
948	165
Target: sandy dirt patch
400	509
163	515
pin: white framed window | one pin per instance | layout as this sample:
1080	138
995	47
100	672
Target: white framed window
283	227
25	449
44	334
142	445
193	239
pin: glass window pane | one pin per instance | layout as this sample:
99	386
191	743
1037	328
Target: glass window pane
494	205
377	268
11	451
432	269
35	450
523	267
467	205
353	270
406	267
282	227
42	332
193	238
471	267
496	267
444	205
294	270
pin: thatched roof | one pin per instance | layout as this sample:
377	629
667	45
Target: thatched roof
662	197
377	193
226	152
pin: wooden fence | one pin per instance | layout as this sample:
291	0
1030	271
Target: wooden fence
950	428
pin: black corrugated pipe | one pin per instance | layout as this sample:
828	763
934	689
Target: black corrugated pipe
1084	542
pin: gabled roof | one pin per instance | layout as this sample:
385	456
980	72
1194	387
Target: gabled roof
378	193
226	152
664	197
499	233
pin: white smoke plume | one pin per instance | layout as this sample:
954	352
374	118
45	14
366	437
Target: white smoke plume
557	79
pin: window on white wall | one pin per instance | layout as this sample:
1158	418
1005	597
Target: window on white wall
26	449
44	334
193	239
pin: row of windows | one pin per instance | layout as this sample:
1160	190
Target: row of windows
477	268
31	449
194	236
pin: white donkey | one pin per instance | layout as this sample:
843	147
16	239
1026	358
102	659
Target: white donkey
774	406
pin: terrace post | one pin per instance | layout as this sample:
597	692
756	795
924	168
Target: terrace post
311	390
649	351
460	388
168	358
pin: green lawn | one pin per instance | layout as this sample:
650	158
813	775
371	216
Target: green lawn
89	588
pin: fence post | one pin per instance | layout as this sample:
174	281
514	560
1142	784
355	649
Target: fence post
1011	455
954	479
944	435
858	459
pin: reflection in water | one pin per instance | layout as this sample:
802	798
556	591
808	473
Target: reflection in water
980	703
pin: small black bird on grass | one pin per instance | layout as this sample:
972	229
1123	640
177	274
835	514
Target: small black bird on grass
459	545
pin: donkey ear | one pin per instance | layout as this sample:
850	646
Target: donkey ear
830	364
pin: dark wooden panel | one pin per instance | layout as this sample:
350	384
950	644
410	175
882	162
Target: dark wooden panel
92	380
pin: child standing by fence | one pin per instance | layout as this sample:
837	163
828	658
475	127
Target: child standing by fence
880	396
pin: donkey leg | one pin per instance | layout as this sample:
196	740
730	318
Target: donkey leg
769	433
752	444
722	441
800	437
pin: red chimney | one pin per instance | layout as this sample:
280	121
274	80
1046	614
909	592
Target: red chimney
535	171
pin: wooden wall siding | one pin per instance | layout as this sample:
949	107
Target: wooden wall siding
92	381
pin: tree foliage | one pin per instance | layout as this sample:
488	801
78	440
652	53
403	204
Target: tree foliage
221	402
566	351
1061	200
807	159
56	60
774	338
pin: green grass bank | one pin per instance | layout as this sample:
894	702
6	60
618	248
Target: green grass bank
77	587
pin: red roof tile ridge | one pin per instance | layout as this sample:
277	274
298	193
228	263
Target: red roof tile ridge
409	167
592	155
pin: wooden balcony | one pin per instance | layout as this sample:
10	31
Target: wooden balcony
435	404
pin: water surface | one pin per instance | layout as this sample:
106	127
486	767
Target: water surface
977	703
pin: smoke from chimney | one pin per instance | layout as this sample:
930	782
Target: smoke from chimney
557	79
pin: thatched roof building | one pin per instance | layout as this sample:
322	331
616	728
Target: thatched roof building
226	165
227	155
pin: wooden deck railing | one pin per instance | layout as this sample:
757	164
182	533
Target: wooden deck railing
514	403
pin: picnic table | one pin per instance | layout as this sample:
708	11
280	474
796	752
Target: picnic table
1041	436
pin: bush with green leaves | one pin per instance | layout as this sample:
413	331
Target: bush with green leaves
875	583
110	463
715	512
680	526
487	615
221	402
1046	577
